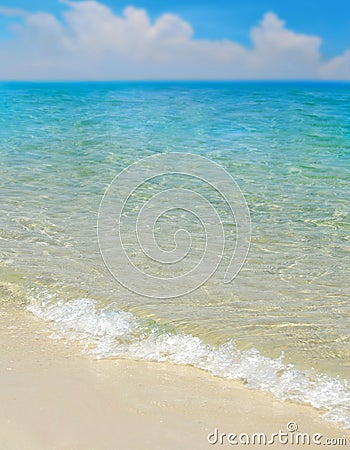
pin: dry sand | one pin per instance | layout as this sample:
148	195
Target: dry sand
52	397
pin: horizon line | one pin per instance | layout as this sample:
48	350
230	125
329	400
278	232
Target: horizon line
170	80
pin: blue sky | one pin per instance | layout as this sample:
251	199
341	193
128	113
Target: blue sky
232	19
210	21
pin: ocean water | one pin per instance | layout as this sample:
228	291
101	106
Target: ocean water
282	324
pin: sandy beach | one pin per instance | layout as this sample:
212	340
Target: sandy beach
52	397
174	225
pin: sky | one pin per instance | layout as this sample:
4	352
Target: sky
189	39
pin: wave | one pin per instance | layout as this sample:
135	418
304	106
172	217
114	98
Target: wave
111	332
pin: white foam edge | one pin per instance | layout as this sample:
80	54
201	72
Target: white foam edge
111	332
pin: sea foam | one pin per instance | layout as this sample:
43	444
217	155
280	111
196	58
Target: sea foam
111	332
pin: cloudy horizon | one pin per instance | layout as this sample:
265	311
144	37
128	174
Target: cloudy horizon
91	42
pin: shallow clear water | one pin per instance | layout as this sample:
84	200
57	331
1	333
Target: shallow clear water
288	147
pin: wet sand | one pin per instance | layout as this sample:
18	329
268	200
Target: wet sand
52	397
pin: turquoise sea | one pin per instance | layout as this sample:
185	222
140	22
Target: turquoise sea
282	325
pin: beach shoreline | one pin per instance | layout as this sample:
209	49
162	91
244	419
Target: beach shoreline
53	397
281	325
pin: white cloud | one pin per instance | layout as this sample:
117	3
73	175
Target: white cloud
337	68
11	11
91	42
286	52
